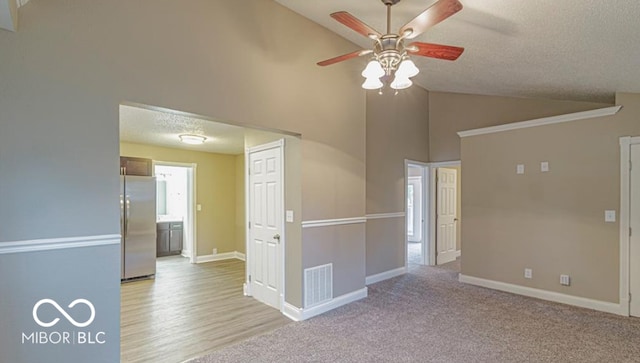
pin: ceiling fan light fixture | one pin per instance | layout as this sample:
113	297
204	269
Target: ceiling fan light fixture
372	83
373	70
400	82
407	69
192	139
390	57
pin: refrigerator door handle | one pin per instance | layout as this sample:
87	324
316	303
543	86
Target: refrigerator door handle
126	216
122	214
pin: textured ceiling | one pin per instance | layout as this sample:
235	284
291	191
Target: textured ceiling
583	50
145	126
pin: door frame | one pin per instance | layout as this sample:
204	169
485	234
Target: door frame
625	221
191	200
426	197
278	144
432	205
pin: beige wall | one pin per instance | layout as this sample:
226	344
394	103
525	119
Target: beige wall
453	112
72	63
551	222
397	129
216	182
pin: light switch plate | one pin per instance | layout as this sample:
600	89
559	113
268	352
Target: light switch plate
198	207
610	216
520	169
289	216
544	166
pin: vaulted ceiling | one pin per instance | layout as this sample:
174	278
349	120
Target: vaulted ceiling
582	50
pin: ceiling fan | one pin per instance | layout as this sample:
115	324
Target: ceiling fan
390	56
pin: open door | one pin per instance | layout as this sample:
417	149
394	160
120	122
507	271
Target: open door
634	238
265	257
446	221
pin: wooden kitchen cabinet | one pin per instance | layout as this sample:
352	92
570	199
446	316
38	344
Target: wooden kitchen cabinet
136	166
169	238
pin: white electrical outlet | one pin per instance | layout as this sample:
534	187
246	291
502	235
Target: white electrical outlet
528	273
565	280
520	169
215	251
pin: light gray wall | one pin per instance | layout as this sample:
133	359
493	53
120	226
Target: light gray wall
397	129
72	63
76	274
342	245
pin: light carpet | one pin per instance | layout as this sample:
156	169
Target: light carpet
428	316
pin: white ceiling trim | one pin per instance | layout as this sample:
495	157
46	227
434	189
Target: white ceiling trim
600	112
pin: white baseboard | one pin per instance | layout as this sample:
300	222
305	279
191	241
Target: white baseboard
385	275
298	314
458	253
220	257
582	302
292	312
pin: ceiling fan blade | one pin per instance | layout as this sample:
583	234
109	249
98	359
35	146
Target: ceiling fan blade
430	17
344	57
431	50
354	23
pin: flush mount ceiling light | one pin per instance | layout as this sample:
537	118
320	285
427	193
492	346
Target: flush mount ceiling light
192	139
390	63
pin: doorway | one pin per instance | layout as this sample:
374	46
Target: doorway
630	225
446	215
417	247
175	203
634	225
445	212
265	231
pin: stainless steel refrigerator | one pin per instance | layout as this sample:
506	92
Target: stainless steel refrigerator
138	226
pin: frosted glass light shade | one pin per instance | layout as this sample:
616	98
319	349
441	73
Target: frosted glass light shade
192	139
400	82
372	83
373	70
407	69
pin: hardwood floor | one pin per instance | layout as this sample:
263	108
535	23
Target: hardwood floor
189	310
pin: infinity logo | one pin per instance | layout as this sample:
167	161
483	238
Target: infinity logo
64	313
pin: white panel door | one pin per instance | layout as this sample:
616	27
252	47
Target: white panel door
446	215
266	209
634	240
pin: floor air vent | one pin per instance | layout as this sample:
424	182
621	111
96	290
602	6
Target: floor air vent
318	285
